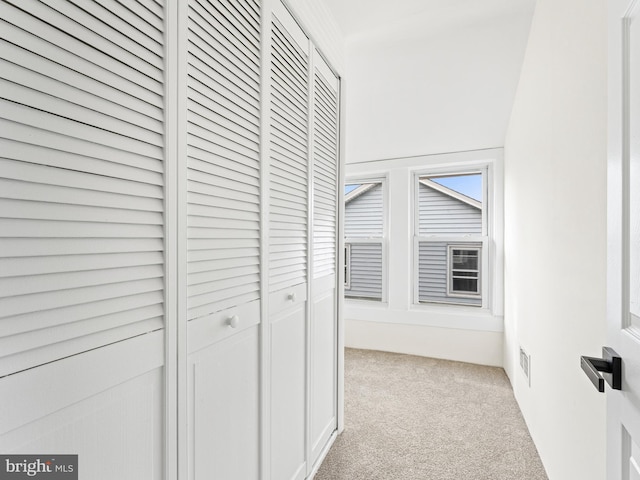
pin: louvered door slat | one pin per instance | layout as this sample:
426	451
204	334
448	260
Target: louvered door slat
58	56
325	172
223	162
217	41
81	176
144	75
145	10
117	25
230	23
199	69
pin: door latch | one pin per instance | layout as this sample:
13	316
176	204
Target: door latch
608	368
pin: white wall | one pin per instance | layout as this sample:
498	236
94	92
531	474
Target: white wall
413	92
436	89
555	234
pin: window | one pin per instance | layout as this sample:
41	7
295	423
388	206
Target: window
364	240
450	238
464	271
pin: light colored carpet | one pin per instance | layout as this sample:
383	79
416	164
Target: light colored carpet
416	418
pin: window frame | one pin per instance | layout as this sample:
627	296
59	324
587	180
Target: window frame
484	239
382	240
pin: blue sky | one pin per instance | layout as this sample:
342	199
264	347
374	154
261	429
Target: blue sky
469	185
350	187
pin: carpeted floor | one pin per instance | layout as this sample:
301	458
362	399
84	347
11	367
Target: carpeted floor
416	418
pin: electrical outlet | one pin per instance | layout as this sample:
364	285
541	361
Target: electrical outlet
525	365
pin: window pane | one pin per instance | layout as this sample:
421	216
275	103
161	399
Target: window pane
363	208
450	205
465	285
364	231
465	259
436	275
365	272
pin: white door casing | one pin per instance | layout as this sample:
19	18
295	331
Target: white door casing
623	283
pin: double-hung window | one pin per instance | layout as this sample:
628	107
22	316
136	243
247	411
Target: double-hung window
364	240
450	241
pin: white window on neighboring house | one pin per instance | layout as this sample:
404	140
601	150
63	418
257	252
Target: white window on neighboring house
364	231
463	272
451	238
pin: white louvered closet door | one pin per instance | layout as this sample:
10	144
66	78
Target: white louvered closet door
82	231
288	243
323	323
223	220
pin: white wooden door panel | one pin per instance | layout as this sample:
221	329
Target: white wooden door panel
223	178
323	367
623	284
288	245
288	393
224	400
106	406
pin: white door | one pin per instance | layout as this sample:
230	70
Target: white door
623	301
323	367
223	238
288	245
82	234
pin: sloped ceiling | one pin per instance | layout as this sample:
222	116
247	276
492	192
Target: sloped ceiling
363	17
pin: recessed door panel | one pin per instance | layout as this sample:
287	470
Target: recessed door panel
224	415
288	396
323	368
106	406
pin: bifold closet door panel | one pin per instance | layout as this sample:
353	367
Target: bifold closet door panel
323	369
223	238
82	316
288	243
81	177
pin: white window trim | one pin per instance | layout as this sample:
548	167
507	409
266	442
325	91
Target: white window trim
461	294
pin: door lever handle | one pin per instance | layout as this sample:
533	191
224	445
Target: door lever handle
608	368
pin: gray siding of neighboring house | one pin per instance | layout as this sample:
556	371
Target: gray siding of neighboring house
441	214
432	264
364	219
363	215
366	271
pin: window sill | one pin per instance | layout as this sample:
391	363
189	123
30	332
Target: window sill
455	317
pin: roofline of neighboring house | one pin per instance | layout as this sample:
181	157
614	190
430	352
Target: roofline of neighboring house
356	192
452	193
